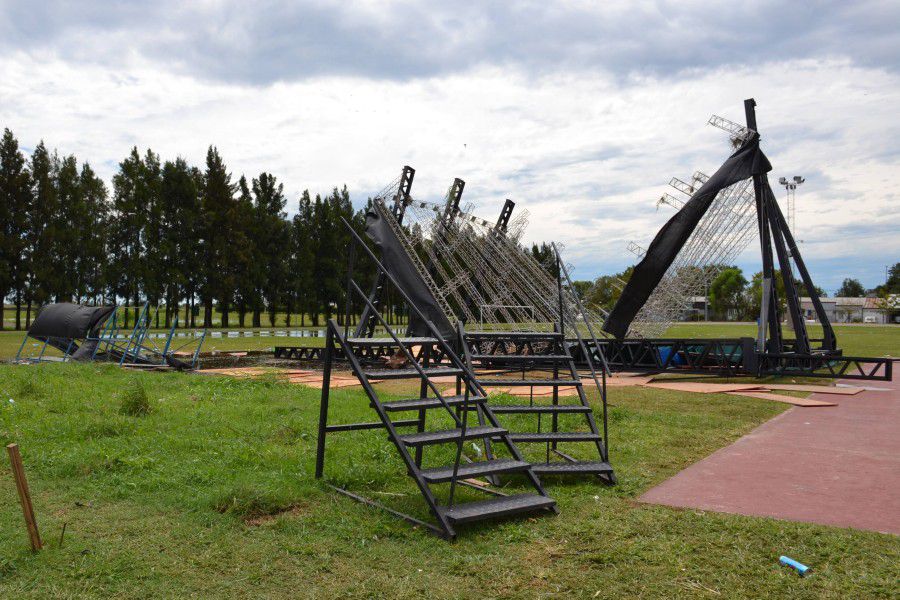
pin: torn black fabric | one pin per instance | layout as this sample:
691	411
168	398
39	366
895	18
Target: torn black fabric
748	160
69	321
404	272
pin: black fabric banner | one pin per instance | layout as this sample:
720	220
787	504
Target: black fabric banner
69	321
402	269
748	160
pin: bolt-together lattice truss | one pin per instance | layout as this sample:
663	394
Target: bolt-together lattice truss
723	233
476	269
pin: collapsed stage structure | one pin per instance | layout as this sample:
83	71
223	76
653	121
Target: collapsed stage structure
482	308
98	333
716	220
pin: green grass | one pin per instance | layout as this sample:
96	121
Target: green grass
211	494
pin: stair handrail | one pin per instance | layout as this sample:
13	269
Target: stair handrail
467	375
584	349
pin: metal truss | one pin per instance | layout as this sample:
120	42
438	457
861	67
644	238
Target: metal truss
725	231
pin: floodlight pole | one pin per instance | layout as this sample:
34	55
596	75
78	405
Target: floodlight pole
790	186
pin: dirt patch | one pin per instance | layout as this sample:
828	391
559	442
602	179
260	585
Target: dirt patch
295	510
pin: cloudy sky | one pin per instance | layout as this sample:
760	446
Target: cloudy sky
579	111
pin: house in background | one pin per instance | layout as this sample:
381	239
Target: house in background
856	310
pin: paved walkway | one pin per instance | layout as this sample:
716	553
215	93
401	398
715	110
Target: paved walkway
835	465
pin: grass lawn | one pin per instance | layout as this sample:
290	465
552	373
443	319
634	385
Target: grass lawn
211	494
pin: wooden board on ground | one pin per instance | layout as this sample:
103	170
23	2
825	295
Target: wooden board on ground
781	398
335	383
706	388
626	381
819	389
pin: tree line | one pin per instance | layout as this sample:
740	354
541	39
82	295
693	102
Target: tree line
731	296
168	233
195	242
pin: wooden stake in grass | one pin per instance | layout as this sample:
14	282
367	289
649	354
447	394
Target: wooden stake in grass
15	460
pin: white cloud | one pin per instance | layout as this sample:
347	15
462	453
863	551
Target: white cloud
585	151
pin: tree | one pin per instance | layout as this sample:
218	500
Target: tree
851	288
545	255
274	238
15	206
126	231
302	258
180	207
249	276
727	292
891	284
91	221
606	290
582	288
153	275
42	229
65	238
218	209
756	293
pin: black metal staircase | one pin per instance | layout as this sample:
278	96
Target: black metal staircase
428	357
541	359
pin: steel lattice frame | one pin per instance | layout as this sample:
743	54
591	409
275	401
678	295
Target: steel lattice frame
478	271
725	231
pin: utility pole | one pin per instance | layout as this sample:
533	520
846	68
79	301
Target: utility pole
790	186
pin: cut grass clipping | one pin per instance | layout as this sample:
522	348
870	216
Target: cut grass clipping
135	402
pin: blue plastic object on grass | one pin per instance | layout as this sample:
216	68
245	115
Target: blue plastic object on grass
790	562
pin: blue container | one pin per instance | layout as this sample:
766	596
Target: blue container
790	562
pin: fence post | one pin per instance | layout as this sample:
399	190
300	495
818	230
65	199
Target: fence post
15	460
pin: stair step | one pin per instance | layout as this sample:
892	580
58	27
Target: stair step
514	335
388	341
477	469
559	436
411	373
497	507
499	409
528	382
577	468
425	403
522	357
448	435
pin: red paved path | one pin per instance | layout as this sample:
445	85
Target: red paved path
835	465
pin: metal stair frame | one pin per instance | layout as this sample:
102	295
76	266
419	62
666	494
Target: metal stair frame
465	379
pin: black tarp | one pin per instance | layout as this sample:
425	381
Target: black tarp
748	160
402	269
68	321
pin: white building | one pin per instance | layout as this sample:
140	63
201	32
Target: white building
855	310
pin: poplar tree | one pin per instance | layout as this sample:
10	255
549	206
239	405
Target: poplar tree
41	231
302	258
15	206
90	222
65	238
273	238
127	227
247	271
218	212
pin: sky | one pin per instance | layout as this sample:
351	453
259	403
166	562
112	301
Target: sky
578	111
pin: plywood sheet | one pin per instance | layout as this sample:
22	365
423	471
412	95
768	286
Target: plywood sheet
782	398
819	389
705	388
